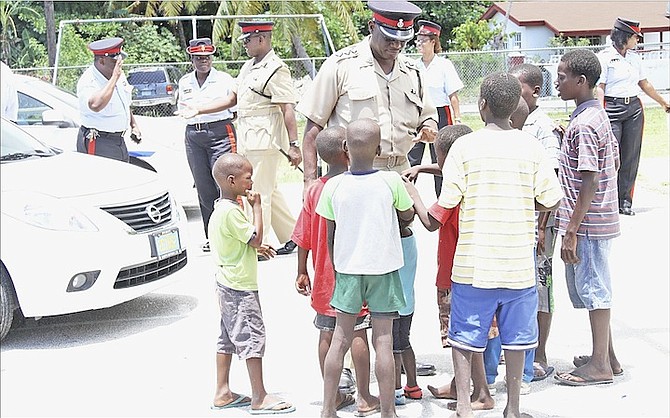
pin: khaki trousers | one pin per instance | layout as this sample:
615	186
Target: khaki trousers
276	214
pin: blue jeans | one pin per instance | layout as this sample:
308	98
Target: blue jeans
492	358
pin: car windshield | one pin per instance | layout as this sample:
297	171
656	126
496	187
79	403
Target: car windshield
146	77
16	144
56	92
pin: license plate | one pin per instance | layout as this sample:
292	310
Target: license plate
146	93
165	244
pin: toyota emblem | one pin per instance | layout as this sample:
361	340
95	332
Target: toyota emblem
154	213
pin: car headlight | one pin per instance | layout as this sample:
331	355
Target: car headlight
45	212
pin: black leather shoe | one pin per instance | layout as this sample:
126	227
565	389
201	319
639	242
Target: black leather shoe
288	248
625	208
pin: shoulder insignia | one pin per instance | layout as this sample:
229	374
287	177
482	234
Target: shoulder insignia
346	53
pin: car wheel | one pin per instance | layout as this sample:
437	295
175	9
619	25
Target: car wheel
7	303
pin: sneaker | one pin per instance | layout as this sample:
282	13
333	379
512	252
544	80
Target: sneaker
492	389
525	388
400	397
205	247
347	382
288	248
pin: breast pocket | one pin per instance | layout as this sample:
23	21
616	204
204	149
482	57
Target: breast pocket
414	101
363	103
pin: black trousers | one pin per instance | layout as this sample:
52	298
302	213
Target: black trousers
627	120
415	155
205	143
109	145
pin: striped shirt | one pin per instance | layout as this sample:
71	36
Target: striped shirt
590	145
497	176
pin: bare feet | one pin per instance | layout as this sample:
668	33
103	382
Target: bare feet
476	405
367	403
443	392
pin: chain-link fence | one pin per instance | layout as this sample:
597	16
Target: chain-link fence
471	66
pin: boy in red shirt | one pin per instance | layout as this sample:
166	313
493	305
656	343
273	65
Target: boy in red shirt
310	234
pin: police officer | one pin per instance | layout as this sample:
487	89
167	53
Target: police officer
267	129
104	103
442	84
620	81
372	79
210	135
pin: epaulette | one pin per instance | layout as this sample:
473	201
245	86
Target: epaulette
346	53
184	76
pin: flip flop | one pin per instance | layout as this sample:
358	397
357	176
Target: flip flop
586	381
346	401
414	392
545	372
239	402
579	361
372	411
269	410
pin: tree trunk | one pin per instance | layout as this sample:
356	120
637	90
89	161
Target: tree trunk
300	52
51	31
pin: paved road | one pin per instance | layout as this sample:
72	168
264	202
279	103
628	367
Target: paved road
154	356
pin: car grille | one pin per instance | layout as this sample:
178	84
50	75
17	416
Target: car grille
149	272
146	215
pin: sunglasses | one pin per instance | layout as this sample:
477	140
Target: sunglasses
248	39
202	57
119	55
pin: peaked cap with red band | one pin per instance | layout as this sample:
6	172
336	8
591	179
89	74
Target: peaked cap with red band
427	27
249	28
630	26
200	46
106	47
395	18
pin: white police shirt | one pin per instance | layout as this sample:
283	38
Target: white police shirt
620	74
115	117
217	85
441	79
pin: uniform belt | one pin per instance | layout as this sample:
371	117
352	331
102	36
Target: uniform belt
391	161
104	133
624	100
202	126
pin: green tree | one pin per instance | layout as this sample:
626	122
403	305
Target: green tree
299	38
559	41
471	35
10	12
450	14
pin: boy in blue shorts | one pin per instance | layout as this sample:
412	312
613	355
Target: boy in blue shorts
588	217
364	244
499	176
236	244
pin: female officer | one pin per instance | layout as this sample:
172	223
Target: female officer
207	136
621	78
442	84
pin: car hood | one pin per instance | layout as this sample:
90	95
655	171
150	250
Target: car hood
71	174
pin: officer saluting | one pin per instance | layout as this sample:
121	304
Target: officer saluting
373	79
104	103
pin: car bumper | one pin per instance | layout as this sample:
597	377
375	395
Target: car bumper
152	102
42	269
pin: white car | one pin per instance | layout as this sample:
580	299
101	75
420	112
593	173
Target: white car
51	114
80	232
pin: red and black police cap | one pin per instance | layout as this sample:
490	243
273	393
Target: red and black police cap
395	18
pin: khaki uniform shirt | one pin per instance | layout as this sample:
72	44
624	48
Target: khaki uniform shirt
260	88
351	85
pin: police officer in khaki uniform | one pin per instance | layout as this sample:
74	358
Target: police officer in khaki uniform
266	127
104	103
372	79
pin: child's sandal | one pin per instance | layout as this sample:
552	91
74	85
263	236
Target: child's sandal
413	392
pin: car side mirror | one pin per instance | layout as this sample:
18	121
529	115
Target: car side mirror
54	117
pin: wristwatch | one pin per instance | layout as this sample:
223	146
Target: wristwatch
294	143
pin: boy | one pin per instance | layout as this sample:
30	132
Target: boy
310	233
541	127
364	245
499	176
235	244
588	217
403	353
447	222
